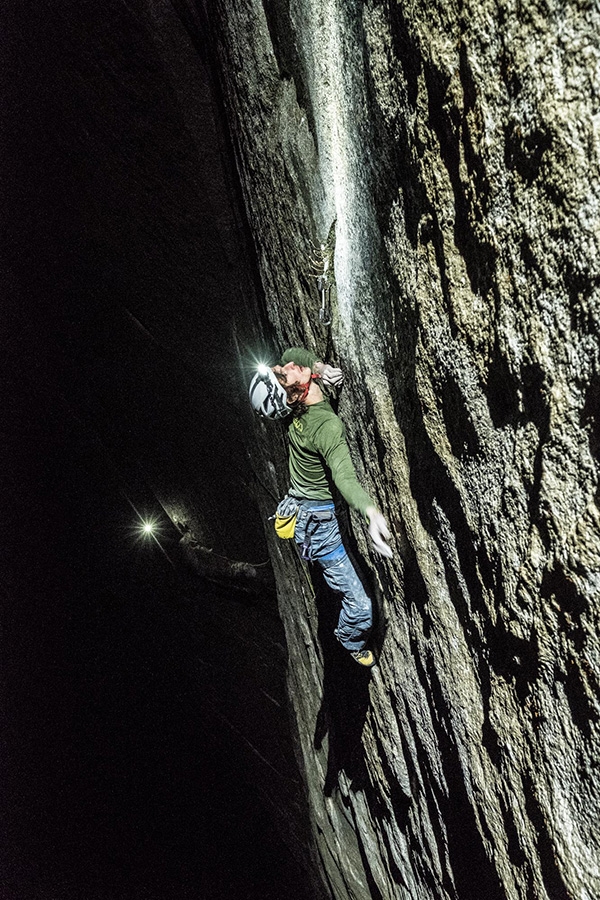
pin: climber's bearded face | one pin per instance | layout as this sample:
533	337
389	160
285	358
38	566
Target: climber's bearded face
291	374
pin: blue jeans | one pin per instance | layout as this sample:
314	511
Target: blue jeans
319	539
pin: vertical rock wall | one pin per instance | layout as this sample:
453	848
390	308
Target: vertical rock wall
456	145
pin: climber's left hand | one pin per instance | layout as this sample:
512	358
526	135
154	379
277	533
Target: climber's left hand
330	376
379	532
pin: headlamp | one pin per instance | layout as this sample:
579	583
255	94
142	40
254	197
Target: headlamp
149	528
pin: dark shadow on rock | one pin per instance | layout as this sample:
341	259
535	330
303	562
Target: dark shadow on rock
345	696
368	580
551	874
473	869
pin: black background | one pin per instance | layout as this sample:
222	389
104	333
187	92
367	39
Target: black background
114	784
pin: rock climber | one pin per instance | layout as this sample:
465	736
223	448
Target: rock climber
318	459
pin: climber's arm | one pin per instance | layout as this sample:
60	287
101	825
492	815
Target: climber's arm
331	443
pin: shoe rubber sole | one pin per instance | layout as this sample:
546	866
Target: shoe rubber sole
363	658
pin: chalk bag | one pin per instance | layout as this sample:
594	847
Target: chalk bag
285	518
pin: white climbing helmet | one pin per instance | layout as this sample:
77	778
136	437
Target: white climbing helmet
267	396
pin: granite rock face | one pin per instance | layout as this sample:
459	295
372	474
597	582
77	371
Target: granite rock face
456	148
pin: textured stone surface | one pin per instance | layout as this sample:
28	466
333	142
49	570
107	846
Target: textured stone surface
457	147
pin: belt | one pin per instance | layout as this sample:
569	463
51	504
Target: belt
306	501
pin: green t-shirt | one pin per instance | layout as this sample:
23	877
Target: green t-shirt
319	454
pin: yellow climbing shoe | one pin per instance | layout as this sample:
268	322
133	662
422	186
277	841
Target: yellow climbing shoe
363	657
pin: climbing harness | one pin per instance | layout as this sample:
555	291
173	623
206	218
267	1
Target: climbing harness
308	515
286	519
315	518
